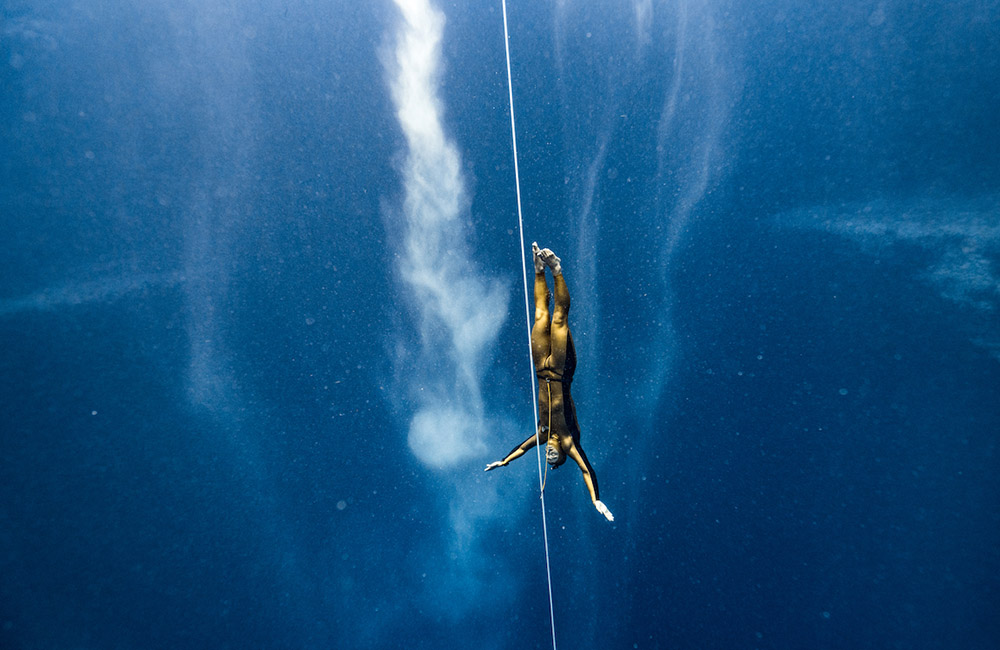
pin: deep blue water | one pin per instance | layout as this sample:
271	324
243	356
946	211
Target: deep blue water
262	323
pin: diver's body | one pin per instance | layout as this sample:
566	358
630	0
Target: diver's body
554	358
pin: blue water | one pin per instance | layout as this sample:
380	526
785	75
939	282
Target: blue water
262	323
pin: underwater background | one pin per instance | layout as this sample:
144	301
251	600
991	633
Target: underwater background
262	323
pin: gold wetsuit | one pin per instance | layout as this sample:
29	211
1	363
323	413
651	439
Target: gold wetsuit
554	358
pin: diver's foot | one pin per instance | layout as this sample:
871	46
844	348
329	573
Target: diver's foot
551	261
535	253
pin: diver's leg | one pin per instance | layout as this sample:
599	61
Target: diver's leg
559	336
540	329
542	297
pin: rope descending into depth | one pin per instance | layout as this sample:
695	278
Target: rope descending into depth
527	315
548	431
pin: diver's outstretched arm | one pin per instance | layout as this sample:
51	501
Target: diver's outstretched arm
590	478
516	452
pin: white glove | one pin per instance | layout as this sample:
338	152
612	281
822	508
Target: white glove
603	509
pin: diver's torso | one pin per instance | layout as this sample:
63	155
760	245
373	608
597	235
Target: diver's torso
556	409
554	391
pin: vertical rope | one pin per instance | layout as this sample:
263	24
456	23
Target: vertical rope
527	317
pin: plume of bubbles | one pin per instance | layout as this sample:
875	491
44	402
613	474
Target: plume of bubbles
457	311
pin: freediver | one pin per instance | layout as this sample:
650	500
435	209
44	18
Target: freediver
554	358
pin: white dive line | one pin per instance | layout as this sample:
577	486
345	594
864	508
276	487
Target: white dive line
527	317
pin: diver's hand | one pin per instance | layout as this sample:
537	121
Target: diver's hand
603	509
495	465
